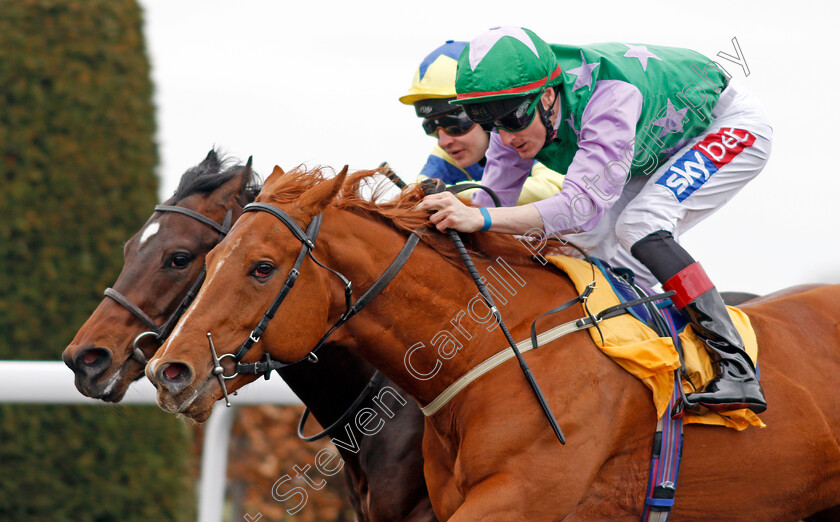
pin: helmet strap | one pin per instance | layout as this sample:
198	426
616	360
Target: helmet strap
545	115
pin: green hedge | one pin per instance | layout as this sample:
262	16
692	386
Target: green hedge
100	464
77	159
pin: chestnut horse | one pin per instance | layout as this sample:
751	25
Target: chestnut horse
162	261
489	453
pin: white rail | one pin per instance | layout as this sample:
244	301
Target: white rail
51	382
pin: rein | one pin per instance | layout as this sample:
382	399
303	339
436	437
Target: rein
373	384
377	378
162	332
432	186
307	240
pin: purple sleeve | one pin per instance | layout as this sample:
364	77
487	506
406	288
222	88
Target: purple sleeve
504	174
607	127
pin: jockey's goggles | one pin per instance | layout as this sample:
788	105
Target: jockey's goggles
454	123
510	114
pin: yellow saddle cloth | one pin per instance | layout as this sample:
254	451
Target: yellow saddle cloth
639	350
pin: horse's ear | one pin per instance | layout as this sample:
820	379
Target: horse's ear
277	175
246	175
211	162
318	197
237	186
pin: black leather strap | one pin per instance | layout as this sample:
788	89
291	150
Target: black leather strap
460	187
372	292
162	332
383	280
134	309
311	235
307	240
285	218
372	385
193	214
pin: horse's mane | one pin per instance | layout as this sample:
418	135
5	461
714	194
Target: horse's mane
213	172
399	213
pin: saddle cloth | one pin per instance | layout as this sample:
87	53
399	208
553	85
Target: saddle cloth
637	348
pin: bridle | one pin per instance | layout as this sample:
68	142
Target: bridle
160	333
307	240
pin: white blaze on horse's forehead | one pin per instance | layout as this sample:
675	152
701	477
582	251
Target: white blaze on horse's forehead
200	296
150	230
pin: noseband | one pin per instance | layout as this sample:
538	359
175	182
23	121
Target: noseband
307	240
159	333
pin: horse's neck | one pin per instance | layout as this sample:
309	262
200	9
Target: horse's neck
431	302
329	386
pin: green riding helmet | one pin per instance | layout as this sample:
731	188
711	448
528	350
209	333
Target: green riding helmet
500	70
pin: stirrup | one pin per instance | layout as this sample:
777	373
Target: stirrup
685	406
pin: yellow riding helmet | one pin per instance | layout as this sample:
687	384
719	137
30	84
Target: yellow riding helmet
434	81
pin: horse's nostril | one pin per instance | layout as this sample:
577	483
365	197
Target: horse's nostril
174	376
173	371
92	362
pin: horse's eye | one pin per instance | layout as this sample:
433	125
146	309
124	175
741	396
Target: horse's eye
179	261
262	270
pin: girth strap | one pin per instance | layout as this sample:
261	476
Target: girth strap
667	449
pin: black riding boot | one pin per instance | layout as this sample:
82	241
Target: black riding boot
736	385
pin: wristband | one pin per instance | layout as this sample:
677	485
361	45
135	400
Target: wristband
487	221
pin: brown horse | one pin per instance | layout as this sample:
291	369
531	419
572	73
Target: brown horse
489	453
162	260
384	473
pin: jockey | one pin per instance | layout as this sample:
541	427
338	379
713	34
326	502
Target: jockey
459	153
652	140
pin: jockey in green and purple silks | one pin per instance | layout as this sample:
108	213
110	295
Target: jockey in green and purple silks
652	139
461	144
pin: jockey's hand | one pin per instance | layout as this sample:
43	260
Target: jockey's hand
450	212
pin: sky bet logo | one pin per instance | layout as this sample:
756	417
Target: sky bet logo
690	171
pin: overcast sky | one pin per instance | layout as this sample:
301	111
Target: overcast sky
318	82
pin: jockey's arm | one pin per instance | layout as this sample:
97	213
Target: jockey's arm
608	126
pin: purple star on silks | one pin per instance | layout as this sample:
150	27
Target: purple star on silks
641	52
672	121
583	73
482	44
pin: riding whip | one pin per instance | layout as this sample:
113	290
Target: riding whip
433	186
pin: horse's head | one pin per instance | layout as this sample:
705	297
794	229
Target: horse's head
245	273
162	261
